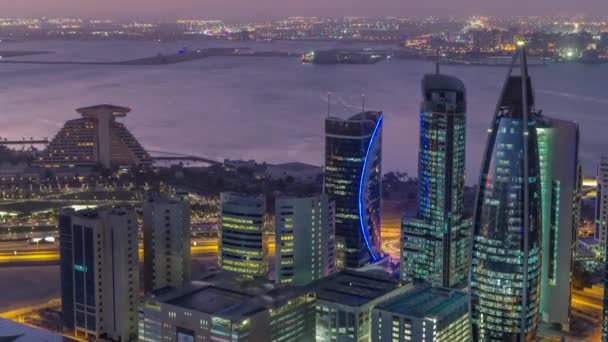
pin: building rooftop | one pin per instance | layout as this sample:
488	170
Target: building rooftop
117	111
354	288
229	296
426	301
367	115
442	82
15	332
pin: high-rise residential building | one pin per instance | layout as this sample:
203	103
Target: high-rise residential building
558	142
601	207
99	273
225	307
242	247
435	242
345	301
304	239
166	221
95	139
353	180
423	314
506	257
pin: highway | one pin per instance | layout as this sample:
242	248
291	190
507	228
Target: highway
12	253
589	304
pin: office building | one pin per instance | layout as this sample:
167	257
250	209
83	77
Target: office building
242	247
558	142
506	252
99	273
166	221
304	239
226	307
353	181
435	242
94	139
345	301
424	314
601	207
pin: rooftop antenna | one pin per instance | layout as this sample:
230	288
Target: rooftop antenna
328	104
363	103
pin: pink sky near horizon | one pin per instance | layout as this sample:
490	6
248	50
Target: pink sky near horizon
262	9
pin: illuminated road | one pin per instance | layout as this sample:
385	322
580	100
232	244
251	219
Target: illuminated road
29	254
589	304
391	233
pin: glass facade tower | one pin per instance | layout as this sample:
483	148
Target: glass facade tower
434	243
353	181
506	247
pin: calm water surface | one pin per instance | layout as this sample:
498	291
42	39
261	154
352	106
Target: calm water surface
273	108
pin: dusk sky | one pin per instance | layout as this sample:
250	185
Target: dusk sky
267	9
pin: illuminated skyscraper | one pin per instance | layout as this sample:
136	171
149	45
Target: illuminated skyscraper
435	243
353	180
601	225
601	206
95	139
304	235
243	248
506	246
166	242
99	273
559	174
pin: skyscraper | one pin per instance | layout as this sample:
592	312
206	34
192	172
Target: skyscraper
304	236
601	226
95	139
506	246
353	180
435	243
559	174
166	242
601	206
243	248
99	273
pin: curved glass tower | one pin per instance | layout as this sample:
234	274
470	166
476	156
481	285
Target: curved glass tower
506	259
353	158
434	243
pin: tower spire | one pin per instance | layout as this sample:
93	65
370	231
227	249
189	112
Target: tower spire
363	103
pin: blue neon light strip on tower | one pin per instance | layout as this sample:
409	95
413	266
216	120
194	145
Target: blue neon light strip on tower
361	184
425	155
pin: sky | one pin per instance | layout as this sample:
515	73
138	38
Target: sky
268	9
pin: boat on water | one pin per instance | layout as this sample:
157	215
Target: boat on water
343	57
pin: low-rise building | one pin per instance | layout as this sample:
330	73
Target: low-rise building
345	301
228	307
423	314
